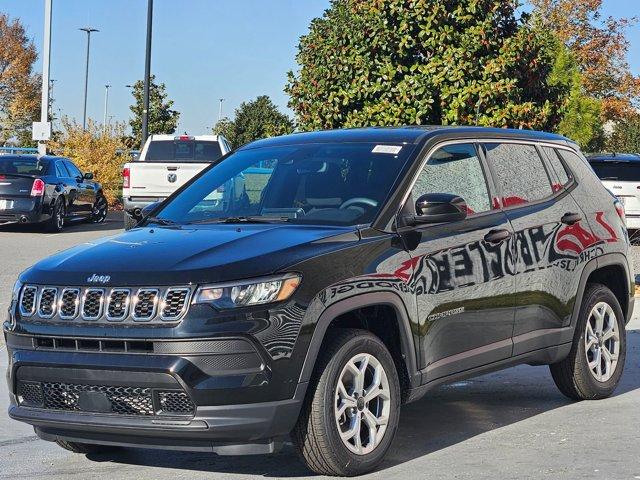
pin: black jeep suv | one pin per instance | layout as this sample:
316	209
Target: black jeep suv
347	272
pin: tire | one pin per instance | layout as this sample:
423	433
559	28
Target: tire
316	434
129	221
56	223
100	209
84	448
573	375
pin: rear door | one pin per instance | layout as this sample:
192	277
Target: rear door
550	236
168	164
464	274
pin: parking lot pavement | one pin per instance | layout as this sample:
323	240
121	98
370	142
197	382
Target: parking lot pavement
507	425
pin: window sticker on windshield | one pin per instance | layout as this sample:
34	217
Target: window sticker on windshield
389	149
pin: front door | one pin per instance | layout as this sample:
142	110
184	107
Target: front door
463	271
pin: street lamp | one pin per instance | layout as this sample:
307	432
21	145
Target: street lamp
89	31
106	105
220	110
147	74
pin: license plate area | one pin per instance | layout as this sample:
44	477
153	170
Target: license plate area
6	204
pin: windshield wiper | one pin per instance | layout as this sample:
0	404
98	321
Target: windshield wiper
160	221
243	219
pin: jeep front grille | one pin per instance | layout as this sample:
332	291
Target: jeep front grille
105	305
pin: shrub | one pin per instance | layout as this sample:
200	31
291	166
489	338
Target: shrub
97	149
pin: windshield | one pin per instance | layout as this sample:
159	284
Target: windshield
183	151
22	165
332	184
622	171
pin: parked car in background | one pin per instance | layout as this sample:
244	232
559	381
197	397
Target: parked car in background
620	174
48	190
358	270
166	163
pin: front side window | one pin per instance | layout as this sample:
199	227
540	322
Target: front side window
455	169
519	172
73	170
333	184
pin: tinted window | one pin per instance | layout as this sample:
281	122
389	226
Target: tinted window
519	172
61	170
623	171
333	184
455	169
558	167
73	170
23	165
183	151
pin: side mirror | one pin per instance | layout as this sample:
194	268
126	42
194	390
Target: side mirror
88	176
438	208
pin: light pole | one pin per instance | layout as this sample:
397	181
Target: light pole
106	106
89	30
147	75
51	84
220	110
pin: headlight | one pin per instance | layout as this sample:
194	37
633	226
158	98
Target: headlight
247	293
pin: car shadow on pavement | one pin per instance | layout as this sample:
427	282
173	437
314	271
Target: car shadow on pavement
113	221
446	416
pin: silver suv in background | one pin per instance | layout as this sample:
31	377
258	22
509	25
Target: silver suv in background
165	164
620	174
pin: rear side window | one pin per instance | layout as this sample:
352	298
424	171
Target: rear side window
183	151
520	173
621	171
455	169
564	177
61	170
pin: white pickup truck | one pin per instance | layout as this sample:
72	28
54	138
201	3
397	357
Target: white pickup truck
166	163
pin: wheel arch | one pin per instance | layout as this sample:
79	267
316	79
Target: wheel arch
334	313
607	270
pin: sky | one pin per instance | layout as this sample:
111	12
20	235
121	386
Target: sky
203	50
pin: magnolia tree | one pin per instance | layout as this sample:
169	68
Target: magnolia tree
394	62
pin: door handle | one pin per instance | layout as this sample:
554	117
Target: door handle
571	218
497	236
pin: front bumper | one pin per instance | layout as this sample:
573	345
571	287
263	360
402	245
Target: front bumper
238	408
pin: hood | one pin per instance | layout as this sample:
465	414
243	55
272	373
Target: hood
183	255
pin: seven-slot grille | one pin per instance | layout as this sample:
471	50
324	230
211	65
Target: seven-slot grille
105	304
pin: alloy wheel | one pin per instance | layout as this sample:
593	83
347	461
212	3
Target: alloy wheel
100	210
362	403
602	342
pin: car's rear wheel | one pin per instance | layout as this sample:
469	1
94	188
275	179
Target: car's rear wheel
352	407
84	448
594	366
55	224
100	209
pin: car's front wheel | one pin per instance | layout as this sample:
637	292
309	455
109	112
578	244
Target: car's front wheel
352	407
100	209
594	366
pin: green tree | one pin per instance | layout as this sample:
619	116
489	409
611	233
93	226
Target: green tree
393	62
19	85
254	120
625	137
162	118
581	113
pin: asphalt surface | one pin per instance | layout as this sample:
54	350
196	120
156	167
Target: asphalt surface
508	425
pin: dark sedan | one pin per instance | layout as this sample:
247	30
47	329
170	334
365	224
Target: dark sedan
48	190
